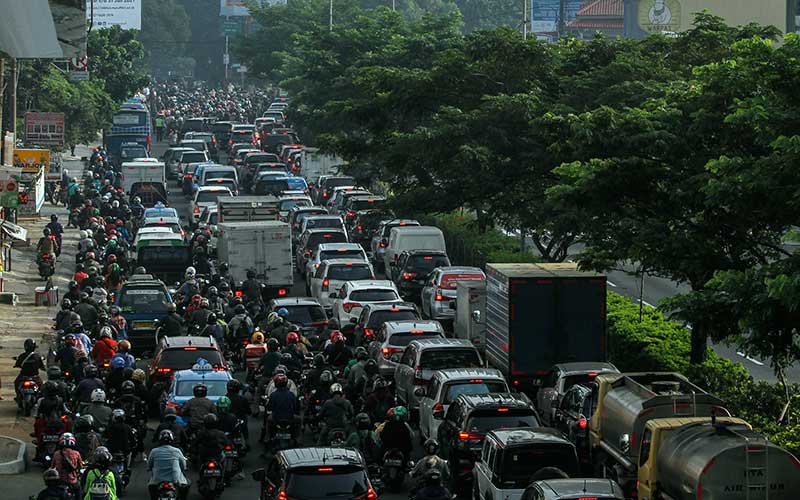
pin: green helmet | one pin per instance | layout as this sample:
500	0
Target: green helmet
112	244
96	211
223	404
401	413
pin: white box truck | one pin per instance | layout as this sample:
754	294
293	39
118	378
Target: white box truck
150	171
263	246
470	322
313	163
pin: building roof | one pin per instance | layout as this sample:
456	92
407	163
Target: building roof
603	8
595	24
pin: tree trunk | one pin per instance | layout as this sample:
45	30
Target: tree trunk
699	345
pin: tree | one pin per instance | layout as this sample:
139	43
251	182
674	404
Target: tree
165	34
116	60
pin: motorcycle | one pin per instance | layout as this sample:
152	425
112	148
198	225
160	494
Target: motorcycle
313	408
47	266
282	437
232	465
28	395
167	491
54	193
119	466
395	469
211	483
51	431
337	437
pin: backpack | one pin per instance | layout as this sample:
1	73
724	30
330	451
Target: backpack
100	489
242	331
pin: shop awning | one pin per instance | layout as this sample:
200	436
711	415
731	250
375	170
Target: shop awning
13	231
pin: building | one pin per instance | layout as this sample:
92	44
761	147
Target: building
599	16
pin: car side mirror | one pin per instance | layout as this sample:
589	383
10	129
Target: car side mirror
420	392
259	475
334	296
625	443
476	316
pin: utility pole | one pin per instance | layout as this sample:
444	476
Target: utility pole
393	5
525	21
2	104
330	17
562	17
12	98
227	58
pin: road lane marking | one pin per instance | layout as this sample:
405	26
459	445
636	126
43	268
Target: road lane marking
748	358
612	284
648	304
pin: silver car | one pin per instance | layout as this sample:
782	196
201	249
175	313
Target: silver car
394	336
562	377
440	290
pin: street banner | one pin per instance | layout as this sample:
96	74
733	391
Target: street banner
44	128
127	14
545	14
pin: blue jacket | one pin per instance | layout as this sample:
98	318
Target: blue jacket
283	404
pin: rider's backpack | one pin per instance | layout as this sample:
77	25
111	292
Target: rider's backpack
100	489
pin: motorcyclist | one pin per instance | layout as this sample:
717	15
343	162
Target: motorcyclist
216	304
201	262
240	327
137	209
115	376
210	440
337	352
363	438
124	353
105	348
86	437
433	489
29	364
84	342
312	377
213	329
170	422
98	409
73	292
396	434
251	287
239	407
87	385
47	244
271	359
198	407
279	327
336	413
134	412
54	488
119	436
65	356
87	311
281	369
67	461
98	479
295	348
57	230
282	404
431	461
199	317
357	376
167	463
189	288
172	326
65	316
119	322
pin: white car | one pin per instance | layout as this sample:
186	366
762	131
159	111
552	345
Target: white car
325	251
323	222
287	202
205	196
350	299
446	385
332	275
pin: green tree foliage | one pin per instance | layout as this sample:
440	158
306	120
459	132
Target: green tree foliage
165	33
116	60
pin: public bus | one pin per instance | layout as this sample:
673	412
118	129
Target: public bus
130	125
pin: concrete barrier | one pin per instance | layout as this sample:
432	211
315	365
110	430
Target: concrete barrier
12	456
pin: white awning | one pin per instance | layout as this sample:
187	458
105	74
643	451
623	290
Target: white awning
27	30
13	231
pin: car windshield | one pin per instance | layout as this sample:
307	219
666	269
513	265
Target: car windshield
193	157
215	387
520	464
583	378
306	314
487	420
220	174
327	484
373	295
324	223
341	254
211	196
378	318
438	359
349	273
338	181
287	205
171	358
402	339
426	263
455	389
140	299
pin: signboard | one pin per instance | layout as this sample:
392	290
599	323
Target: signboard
78	76
236	8
545	14
127	14
32	186
231	27
9	187
44	128
31	160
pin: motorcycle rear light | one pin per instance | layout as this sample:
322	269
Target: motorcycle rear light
282	495
582	423
369	332
466	436
27	383
438	407
282	292
409	276
320	323
325	284
211	465
388	351
228	447
164	370
238	293
187	176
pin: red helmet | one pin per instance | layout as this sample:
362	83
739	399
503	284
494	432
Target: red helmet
336	336
196	298
111	258
119	222
110	227
292	338
113	232
90	255
281	380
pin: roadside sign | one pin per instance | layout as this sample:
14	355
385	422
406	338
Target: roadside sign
9	187
242	69
231	27
44	128
78	76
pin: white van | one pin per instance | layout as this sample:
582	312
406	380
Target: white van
142	170
215	172
404	238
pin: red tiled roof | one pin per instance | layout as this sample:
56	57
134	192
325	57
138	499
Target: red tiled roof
603	8
595	24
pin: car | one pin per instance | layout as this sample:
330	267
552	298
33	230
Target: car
208	138
181	388
334	199
196	144
413	267
411	238
573	415
322	222
276	115
573	489
365	329
143	302
236	148
467	421
314	473
305	312
333	273
204	197
340	201
326	251
278	137
173	354
242	134
159	211
214	172
446	385
364	224
185	159
511	459
270	183
222	132
354	204
146	232
279	169
287	202
424	356
194	125
174	223
171	158
563	376
323	187
439	291
238	154
129	152
310	239
394	336
297	214
381	238
352	296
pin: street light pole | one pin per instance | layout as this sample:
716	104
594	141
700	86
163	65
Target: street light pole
525	19
393	6
330	17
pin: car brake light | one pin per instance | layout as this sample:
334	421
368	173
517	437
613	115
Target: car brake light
439	297
282	292
371	495
196	210
502	410
427	257
593	374
582	423
282	495
327	236
325	284
348	306
164	370
388	351
465	436
190	348
476	381
409	276
438	407
369	333
416	332
351	214
324	469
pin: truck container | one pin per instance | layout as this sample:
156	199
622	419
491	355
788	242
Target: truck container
470	319
143	172
263	246
538	315
314	163
713	459
626	402
247	208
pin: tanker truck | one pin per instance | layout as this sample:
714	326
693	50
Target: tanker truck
625	403
710	458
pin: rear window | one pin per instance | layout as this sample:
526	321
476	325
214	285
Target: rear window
483	421
209	196
583	379
193	157
427	263
369	204
143	299
176	228
199	146
520	464
263	158
449	281
213	219
373	295
221	127
272	186
133	153
327	485
338	181
188	357
305	315
378	318
220	174
286	205
341	254
405	338
316	239
324	223
179	255
455	389
349	273
438	359
215	387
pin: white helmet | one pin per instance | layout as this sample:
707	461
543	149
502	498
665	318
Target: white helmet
336	388
98	396
190	272
82	234
115	204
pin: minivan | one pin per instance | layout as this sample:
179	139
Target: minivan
412	238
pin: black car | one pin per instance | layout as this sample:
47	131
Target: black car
372	318
363	226
469	418
573	415
323	191
314	473
305	312
412	269
222	132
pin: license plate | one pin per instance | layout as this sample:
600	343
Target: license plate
212	473
396	463
231	453
120	467
144	324
283	435
51	437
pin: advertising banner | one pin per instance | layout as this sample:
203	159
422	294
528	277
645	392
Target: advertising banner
236	8
9	187
127	14
545	14
44	128
31	160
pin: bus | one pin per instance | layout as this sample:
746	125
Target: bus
130	126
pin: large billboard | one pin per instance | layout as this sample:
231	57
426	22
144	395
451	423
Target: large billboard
69	17
644	17
127	14
545	14
44	128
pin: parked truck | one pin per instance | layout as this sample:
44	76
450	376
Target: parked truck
538	315
262	246
470	304
626	402
137	173
247	208
314	163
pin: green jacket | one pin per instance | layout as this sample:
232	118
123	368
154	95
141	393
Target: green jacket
93	474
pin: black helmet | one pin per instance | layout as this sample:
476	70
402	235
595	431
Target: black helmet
431	446
54	372
30	345
371	367
234	385
286	358
73	285
54	218
212	291
200	391
127	373
128	387
212	319
210	421
50	388
85	423
251	274
90	371
362	422
46	231
102	456
240	309
381	384
66	304
361	353
51	475
170	413
223	267
319	360
273	345
224	286
166	437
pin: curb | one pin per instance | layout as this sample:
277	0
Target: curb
18	465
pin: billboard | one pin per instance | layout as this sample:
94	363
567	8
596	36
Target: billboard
44	128
545	13
127	14
644	17
238	8
69	17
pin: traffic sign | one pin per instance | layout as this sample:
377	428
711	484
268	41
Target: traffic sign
231	27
